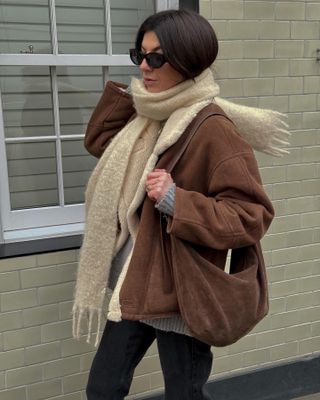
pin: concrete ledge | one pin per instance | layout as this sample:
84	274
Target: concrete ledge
282	382
40	246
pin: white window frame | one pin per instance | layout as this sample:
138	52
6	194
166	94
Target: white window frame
62	220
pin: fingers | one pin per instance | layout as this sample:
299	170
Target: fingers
157	176
156	173
158	183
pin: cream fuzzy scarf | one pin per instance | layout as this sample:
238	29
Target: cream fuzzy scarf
178	106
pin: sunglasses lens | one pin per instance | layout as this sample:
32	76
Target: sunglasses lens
136	56
155	60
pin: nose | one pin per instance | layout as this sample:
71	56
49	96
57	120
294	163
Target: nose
144	66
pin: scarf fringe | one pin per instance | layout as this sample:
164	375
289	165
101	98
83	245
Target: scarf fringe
82	314
265	130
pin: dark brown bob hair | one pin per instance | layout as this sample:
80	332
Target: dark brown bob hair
187	40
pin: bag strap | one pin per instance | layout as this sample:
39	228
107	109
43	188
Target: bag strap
206	112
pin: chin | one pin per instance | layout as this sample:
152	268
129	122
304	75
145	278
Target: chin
153	89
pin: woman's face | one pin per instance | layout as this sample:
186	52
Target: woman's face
157	79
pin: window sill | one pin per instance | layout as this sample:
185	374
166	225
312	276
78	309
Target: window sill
37	246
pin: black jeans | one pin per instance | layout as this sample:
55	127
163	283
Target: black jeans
186	362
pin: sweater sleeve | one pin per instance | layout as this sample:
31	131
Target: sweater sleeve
235	213
166	204
113	111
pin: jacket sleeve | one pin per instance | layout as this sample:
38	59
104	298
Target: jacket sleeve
235	213
113	111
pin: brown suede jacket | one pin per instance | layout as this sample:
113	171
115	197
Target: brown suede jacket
220	203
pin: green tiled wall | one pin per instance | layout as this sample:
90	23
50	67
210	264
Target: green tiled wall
266	59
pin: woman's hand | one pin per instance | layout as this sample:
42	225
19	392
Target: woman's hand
157	184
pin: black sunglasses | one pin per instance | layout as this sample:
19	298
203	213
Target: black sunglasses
154	60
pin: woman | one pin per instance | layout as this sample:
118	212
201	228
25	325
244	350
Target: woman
213	199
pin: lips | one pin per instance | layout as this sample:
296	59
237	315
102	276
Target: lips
148	80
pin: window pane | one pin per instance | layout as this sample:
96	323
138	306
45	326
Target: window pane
79	91
123	74
27	101
126	17
24	23
32	174
81	26
77	167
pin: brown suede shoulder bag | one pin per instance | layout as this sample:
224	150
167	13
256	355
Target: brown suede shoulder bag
218	307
